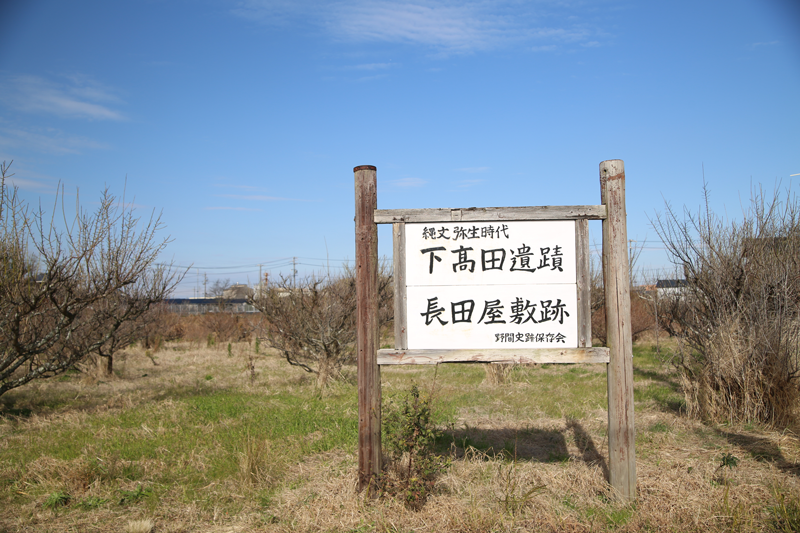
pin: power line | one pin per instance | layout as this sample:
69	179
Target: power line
253	265
325	259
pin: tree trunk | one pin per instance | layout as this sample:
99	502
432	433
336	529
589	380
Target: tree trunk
323	374
105	365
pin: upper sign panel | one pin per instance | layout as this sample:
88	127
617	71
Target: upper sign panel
490	253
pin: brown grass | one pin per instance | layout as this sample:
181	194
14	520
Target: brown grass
554	479
677	491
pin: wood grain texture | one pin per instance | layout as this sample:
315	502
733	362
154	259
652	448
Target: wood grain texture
583	259
621	434
491	214
539	355
400	298
369	378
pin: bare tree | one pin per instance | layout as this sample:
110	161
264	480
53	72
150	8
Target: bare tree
218	288
738	317
128	332
641	319
312	322
85	282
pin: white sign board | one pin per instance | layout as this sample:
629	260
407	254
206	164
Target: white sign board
491	285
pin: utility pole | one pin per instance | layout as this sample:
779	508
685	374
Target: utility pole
205	285
632	258
294	271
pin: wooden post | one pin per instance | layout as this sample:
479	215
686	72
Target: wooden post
616	277
399	256
584	283
369	378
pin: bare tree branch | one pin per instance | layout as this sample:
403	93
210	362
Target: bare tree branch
64	294
312	322
738	318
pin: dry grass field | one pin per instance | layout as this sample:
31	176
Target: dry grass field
227	440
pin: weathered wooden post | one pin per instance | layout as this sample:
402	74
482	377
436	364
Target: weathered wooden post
399	271
369	378
616	277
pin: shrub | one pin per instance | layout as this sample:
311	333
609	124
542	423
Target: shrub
409	436
738	318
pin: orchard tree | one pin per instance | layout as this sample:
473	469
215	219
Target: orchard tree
128	332
65	292
312	322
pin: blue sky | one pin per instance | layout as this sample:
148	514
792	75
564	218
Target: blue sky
241	121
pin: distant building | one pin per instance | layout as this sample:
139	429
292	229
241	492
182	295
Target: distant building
199	306
643	290
237	291
667	287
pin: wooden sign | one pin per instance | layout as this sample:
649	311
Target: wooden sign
495	285
491	285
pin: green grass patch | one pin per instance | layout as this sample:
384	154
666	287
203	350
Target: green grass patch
133	496
556	390
198	440
57	499
659	427
92	502
664	396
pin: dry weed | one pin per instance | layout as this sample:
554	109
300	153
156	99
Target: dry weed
144	525
257	466
498	373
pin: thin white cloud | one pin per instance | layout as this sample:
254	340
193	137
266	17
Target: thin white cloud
260	198
371	78
366	71
232	209
29	180
49	140
31	185
770	43
243	187
409	182
369	66
566	35
75	97
472	170
86	88
443	25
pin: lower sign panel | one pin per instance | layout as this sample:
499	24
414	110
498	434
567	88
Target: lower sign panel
492	316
